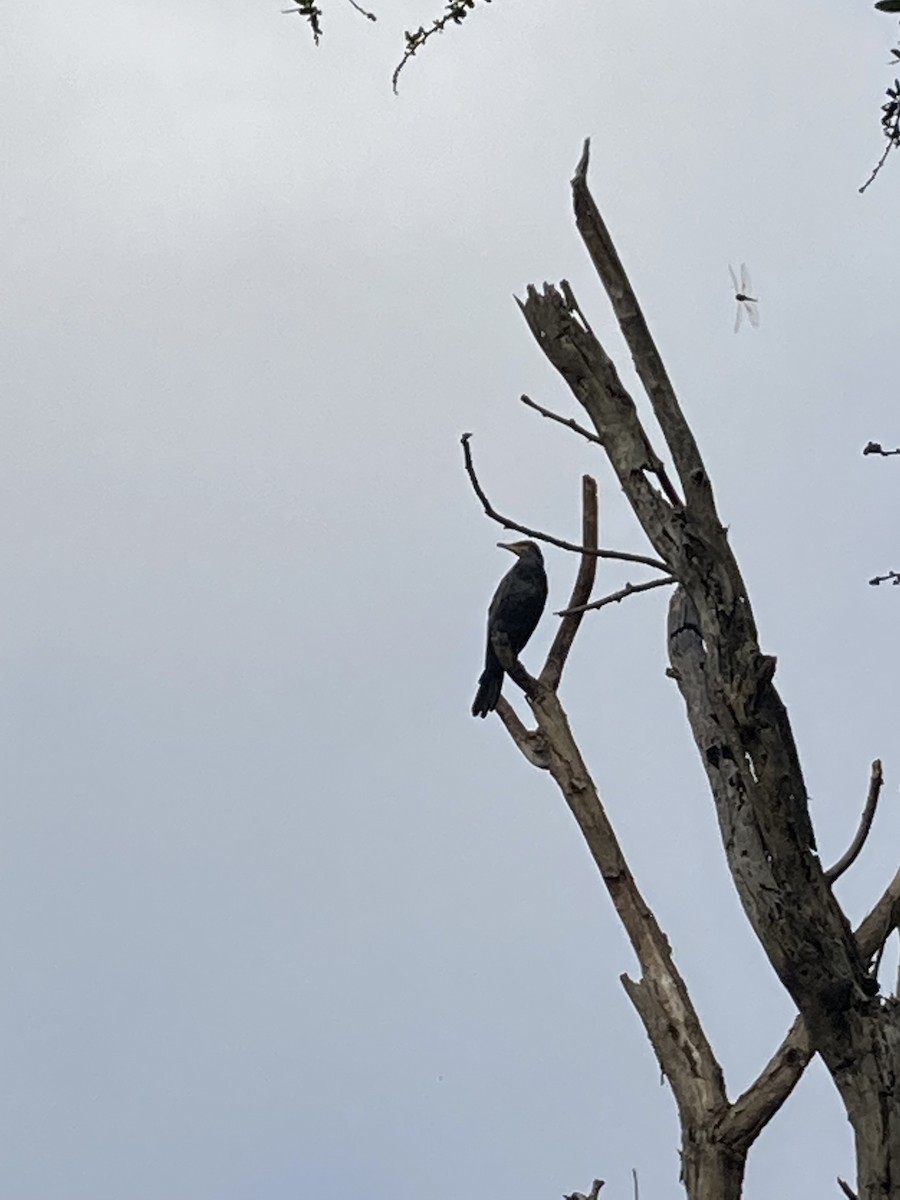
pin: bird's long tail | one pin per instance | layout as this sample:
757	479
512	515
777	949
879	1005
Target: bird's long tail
488	693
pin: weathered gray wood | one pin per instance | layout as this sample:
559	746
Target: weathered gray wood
744	739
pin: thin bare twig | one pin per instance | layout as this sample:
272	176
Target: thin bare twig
615	597
457	11
491	512
888	148
893	576
842	1184
850	855
876	448
569	422
637	1194
584	582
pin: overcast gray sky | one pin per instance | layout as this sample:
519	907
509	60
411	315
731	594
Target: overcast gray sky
278	918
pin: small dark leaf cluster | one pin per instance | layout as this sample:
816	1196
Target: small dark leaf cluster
890	112
457	11
877	448
308	10
890	123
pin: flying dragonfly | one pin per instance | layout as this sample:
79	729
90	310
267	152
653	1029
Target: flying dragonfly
745	302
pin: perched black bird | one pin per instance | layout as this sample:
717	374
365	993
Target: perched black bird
515	611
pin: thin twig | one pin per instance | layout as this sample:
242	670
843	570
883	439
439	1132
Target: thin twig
876	448
457	11
491	512
569	422
364	11
614	597
637	1194
893	576
584	582
842	1184
888	148
850	855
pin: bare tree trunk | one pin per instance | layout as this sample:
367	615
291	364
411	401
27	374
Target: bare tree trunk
710	1169
739	723
870	1088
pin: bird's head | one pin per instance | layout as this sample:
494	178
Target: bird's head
523	548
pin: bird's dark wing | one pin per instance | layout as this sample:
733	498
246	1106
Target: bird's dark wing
518	604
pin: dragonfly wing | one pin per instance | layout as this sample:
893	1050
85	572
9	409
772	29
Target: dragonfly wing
737	286
746	285
753	314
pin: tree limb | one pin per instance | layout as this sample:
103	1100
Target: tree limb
584	582
647	360
491	512
883	918
850	855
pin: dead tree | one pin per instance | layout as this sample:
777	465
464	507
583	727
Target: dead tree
744	738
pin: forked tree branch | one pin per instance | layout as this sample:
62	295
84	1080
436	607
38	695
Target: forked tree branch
660	995
753	1110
